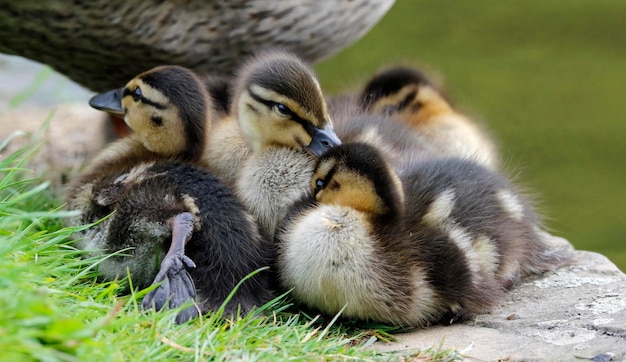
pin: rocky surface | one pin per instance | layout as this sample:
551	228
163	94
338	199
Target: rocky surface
575	313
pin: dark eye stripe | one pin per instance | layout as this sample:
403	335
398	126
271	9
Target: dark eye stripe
142	99
308	126
407	100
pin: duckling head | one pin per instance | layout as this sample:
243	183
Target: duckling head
404	90
355	175
167	109
279	102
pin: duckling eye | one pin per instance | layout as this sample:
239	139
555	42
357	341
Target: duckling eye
283	109
319	184
137	94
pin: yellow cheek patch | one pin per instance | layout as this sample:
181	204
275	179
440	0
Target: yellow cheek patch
167	136
432	105
351	190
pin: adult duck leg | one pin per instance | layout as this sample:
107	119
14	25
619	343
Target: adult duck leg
176	285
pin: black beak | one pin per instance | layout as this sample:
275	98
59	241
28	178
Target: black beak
322	140
110	101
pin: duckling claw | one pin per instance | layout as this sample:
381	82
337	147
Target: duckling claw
176	286
175	282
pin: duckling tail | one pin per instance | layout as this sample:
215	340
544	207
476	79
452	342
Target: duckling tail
548	252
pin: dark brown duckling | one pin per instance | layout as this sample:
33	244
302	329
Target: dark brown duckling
439	243
180	226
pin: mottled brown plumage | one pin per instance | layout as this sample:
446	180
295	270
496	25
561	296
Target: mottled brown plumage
101	44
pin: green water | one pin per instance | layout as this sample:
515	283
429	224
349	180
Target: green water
549	80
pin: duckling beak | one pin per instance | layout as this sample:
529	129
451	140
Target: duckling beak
110	101
322	140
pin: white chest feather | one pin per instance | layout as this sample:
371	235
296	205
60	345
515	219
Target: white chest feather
271	181
328	257
329	260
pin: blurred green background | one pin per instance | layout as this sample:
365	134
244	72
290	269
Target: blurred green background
548	78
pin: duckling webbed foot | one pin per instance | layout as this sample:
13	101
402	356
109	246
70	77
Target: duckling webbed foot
176	285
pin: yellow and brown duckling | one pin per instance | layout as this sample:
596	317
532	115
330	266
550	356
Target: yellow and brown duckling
279	124
410	96
442	242
168	110
171	221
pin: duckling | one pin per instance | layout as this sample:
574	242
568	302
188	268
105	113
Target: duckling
163	205
168	122
440	243
103	43
410	96
279	124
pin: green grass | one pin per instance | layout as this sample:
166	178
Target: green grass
54	309
547	77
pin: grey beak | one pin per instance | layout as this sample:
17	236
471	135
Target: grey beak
322	140
110	101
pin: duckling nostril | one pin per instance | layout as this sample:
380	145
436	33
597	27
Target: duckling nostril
322	140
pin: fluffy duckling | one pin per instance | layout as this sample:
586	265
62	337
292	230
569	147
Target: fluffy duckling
440	243
171	221
167	108
279	124
410	96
